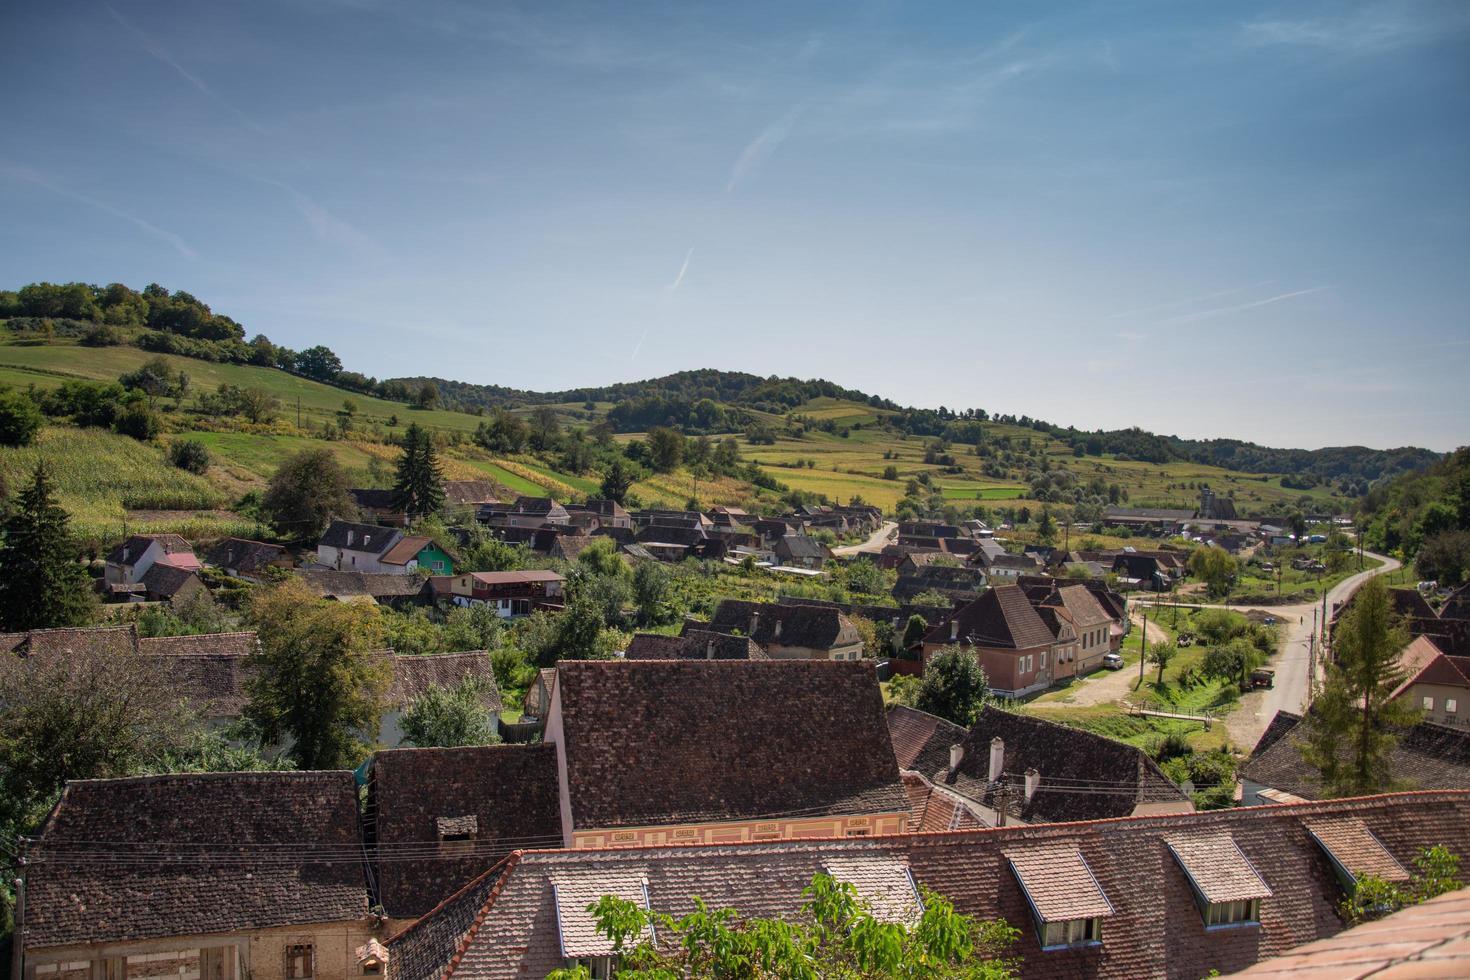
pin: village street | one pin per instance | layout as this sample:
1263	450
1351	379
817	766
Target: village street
873	545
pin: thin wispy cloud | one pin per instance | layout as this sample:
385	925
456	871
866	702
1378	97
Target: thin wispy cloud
684	268
1240	307
159	53
327	226
1132	336
13	172
1382	27
1190	301
760	150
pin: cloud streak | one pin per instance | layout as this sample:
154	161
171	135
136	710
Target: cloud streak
760	150
1224	310
1172	304
160	54
1367	31
679	279
327	226
31	177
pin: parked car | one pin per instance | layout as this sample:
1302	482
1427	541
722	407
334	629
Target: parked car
1112	661
1270	620
1261	677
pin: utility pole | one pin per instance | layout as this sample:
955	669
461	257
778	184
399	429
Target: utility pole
18	937
1142	649
1312	655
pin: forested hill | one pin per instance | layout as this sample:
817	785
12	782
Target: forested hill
708	400
701	401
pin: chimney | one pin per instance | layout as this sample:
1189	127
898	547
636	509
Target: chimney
755	621
1033	783
777	631
997	757
956	753
350	535
954	630
709	650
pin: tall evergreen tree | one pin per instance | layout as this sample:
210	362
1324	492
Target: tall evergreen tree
419	488
41	583
1351	724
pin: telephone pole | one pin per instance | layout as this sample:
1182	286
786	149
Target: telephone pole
1142	649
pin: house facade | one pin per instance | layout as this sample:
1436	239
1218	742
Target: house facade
510	594
788	632
130	561
1009	638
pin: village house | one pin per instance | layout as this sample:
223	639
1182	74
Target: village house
957	583
525	512
788	632
510	594
181	876
377	505
800	551
1009	638
415	674
1029	769
1426	756
1092	624
1174	896
131	560
346	546
609	513
453	812
711	751
397	591
1436	684
693	644
244	559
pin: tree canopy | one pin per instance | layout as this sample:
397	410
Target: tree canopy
42	584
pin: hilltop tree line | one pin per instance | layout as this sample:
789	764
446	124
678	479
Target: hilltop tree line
1425	515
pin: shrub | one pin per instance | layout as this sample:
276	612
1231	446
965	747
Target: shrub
101	335
20	419
190	455
138	421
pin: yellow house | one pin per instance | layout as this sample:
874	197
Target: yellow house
722	751
216	876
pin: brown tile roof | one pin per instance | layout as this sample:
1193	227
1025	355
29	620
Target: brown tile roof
1349	842
471	491
153	856
1423	663
244	555
1456	604
327	581
1002	618
1217	867
1427	756
881	881
209	670
1058	883
1086	612
172	544
693	645
368	538
414	674
573	890
706	740
109	640
521	575
770	624
509	790
1072	763
167	581
405	549
505	926
1425	941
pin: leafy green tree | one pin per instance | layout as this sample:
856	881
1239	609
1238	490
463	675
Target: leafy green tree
862	575
835	935
1445	558
418	489
42	585
1160	654
305	493
1436	872
665	449
601	558
1046	528
20	419
617	481
579	632
1350	729
450	716
318	362
545	427
1216	567
914	630
315	678
954	686
487	554
651	592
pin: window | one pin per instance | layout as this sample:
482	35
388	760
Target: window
1072	932
1451	706
1233	913
300	961
1428	704
857	832
1043	661
598	967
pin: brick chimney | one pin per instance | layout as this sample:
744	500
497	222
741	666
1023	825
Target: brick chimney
1033	783
997	757
956	753
954	630
709	650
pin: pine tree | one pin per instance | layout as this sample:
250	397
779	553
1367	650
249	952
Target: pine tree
1351	725
41	583
419	488
617	482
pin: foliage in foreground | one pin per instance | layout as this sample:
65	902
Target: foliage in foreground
836	936
1436	871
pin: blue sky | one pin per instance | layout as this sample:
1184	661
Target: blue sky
1202	218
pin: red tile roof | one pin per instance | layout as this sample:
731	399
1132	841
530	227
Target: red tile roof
1003	618
504	927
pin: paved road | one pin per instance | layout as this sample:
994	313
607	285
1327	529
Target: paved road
1293	684
873	545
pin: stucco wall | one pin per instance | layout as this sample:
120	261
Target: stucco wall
740	831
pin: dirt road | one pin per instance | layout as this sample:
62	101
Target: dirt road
873	545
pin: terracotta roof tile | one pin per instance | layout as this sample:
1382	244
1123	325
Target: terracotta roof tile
882	883
700	740
1001	618
1217	867
1058	883
405	550
1350	843
414	674
574	890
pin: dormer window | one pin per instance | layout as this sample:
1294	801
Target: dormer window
1227	887
1066	900
458	833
